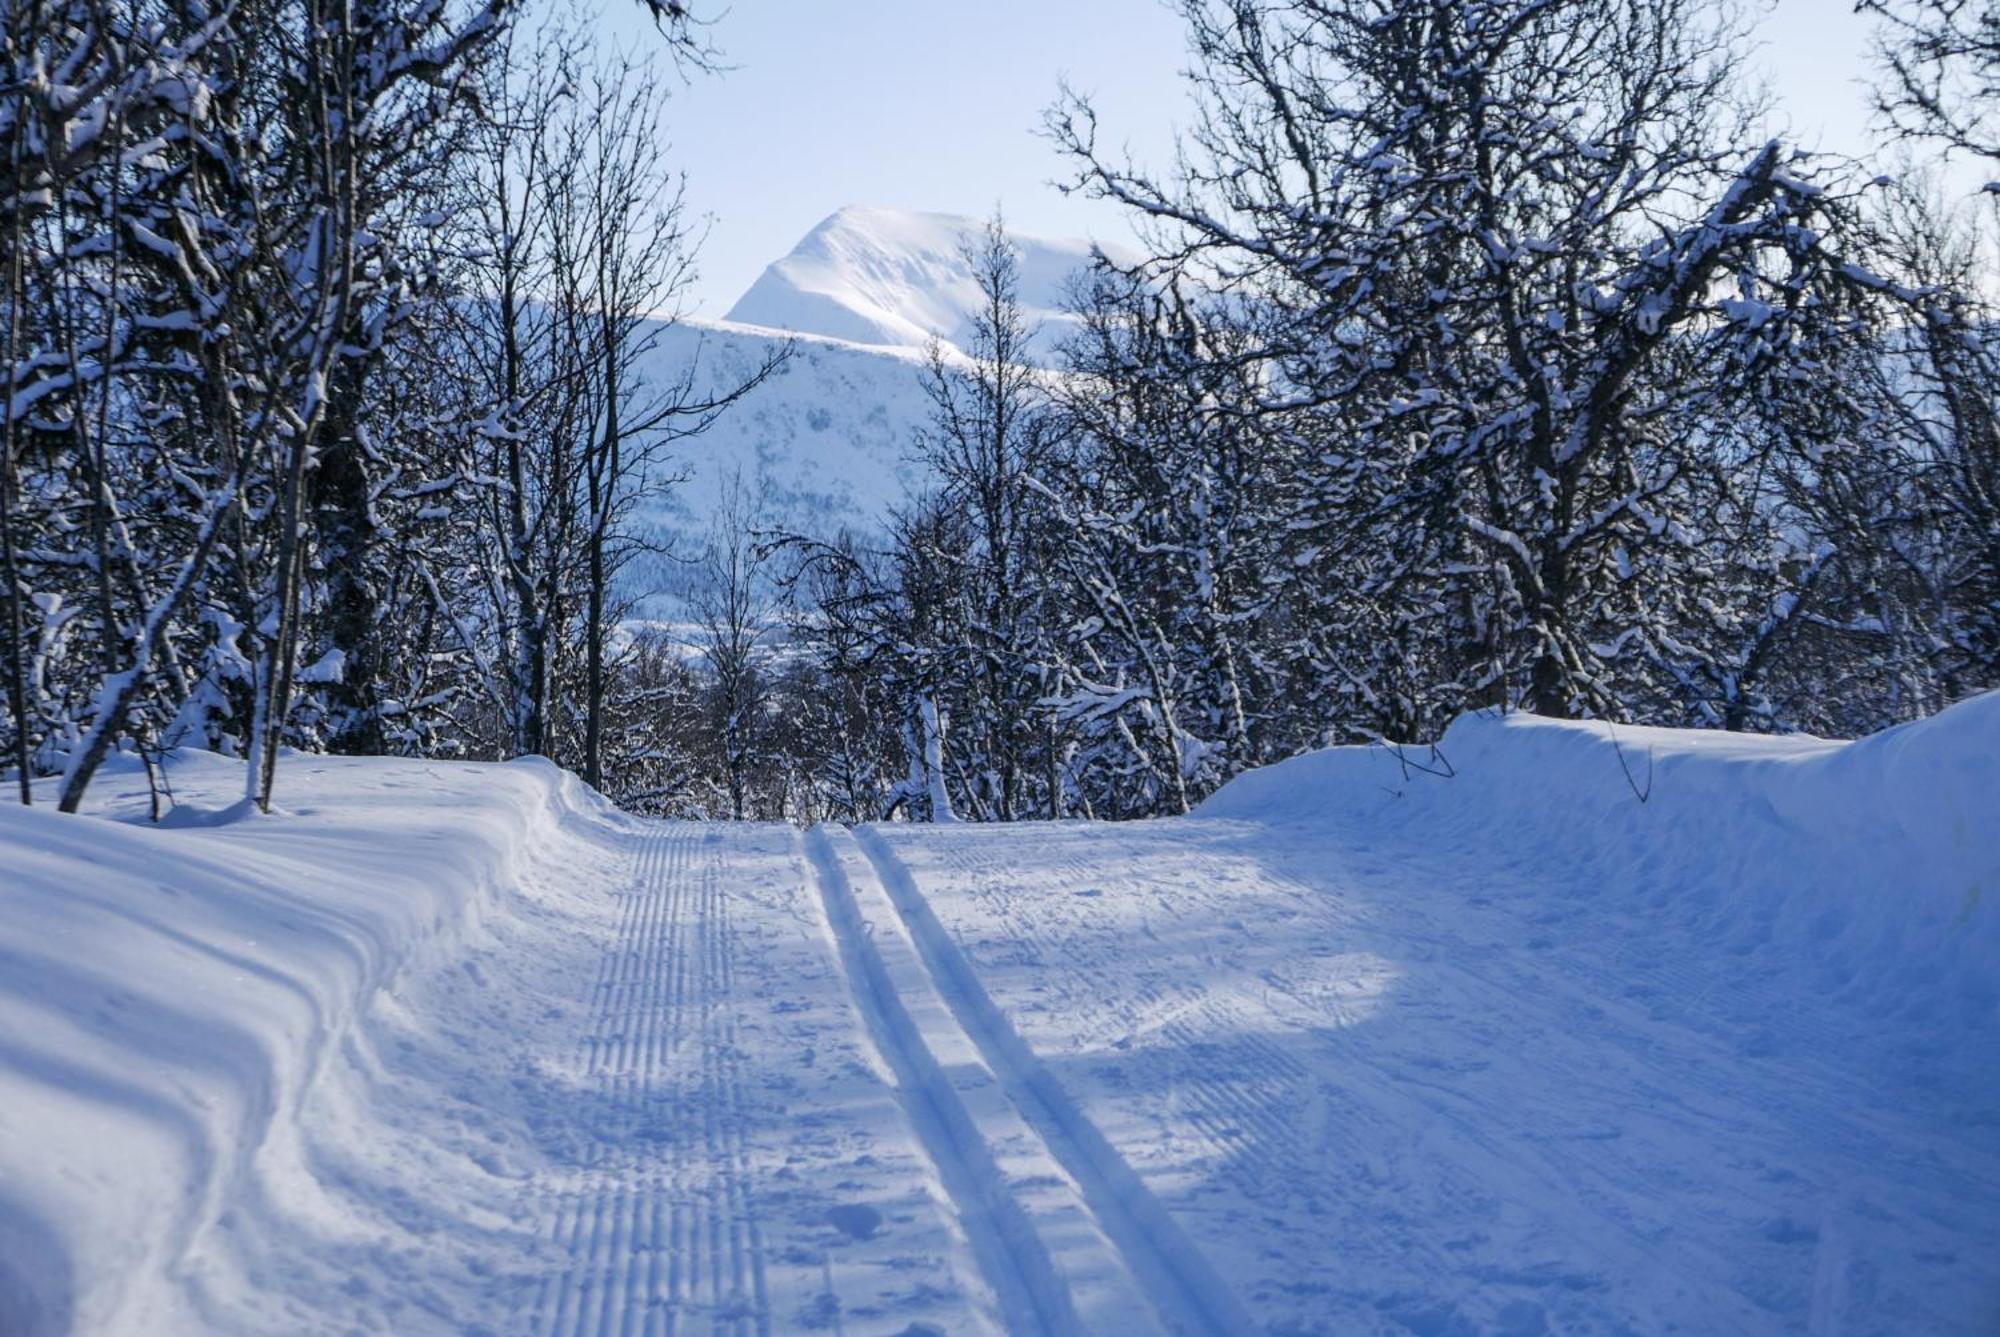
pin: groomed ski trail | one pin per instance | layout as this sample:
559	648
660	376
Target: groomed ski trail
720	1156
665	1222
667	1232
1185	1289
1015	1263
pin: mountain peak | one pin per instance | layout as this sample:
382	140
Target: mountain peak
898	278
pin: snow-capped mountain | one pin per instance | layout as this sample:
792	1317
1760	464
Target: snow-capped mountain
823	445
826	441
890	278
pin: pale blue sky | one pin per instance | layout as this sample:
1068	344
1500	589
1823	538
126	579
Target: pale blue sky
934	104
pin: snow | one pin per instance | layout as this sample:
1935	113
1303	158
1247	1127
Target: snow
433	1051
1453	1040
1513	1051
829	442
824	444
899	279
1886	849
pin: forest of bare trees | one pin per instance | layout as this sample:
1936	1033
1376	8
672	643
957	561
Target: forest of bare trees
325	427
1483	355
1486	356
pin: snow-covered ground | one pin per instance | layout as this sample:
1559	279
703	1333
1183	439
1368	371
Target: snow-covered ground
1471	1040
440	1049
1512	1051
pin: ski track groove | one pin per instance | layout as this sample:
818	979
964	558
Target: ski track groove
1014	1260
656	1226
1190	1295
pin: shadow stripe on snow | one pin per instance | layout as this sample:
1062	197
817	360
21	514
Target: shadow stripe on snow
1190	1294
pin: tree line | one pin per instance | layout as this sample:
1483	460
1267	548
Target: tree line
1487	355
325	418
1482	355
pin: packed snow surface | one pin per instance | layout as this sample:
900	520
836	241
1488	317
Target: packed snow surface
1551	1028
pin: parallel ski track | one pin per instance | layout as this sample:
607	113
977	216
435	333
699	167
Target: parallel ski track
1031	1293
1190	1295
661	1232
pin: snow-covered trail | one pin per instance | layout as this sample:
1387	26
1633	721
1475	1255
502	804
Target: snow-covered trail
691	1178
1212	1077
449	1050
724	1153
1395	1088
660	1213
773	1124
458	1050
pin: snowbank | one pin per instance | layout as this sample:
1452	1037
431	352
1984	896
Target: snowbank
168	994
1875	865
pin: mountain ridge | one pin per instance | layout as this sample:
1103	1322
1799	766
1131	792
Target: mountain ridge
891	278
826	444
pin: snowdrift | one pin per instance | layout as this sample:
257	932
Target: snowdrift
167	995
1874	865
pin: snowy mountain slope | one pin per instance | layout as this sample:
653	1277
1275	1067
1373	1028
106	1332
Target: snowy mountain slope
826	442
1453	1042
897	279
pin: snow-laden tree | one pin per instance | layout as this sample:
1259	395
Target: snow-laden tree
248	429
1522	252
582	241
988	438
1170	499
